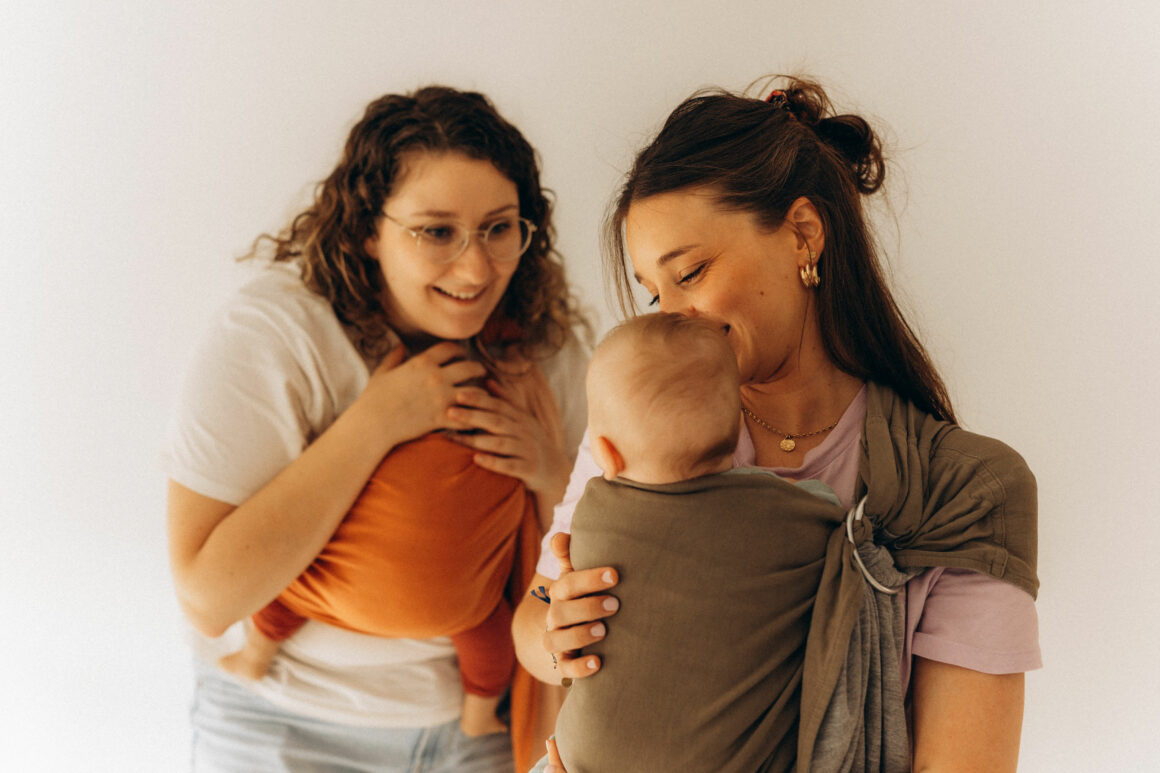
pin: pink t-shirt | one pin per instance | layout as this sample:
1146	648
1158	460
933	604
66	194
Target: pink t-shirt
954	616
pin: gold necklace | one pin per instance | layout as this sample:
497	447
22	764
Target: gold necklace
787	443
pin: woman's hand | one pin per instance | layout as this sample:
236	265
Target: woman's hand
578	607
523	433
414	397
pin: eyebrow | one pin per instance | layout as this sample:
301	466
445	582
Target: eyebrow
669	256
444	213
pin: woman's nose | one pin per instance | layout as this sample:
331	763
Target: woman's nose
474	264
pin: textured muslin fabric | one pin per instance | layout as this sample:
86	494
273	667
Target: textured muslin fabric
717	575
956	616
935	495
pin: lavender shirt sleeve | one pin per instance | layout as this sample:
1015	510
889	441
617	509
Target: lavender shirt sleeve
972	620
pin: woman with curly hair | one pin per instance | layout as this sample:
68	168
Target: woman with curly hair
418	298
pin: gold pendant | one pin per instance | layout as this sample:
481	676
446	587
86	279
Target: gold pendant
788	445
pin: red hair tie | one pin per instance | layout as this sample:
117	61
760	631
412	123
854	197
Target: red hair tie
779	98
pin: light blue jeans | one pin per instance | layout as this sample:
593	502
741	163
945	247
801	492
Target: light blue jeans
235	731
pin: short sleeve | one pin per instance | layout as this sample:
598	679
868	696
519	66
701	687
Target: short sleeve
973	620
263	383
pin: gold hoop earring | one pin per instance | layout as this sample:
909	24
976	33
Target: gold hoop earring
809	272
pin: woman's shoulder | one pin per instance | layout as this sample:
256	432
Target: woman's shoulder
945	443
273	327
990	463
276	292
271	312
916	465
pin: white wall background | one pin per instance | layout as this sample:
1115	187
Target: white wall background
143	145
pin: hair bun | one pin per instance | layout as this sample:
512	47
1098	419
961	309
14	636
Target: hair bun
853	138
806	101
849	135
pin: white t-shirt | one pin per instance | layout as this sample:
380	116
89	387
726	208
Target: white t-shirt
274	371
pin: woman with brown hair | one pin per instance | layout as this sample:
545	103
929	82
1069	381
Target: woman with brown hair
748	213
421	274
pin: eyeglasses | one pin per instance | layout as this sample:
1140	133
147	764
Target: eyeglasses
504	240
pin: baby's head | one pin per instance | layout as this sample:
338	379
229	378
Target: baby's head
663	400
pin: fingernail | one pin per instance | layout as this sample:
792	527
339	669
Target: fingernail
607	577
597	630
591	664
611	604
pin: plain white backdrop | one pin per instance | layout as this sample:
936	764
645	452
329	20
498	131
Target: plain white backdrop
143	146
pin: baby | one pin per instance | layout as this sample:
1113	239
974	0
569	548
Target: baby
718	566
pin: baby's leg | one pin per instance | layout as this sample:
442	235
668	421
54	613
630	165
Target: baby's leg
269	627
487	658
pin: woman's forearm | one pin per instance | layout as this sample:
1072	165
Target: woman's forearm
229	562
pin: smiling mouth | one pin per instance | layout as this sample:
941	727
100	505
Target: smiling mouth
460	296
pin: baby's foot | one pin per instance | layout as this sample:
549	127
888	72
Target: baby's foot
241	664
479	716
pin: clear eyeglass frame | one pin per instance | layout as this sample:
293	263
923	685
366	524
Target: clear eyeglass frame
431	250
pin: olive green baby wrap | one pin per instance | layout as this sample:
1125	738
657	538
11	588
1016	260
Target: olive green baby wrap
703	674
713	666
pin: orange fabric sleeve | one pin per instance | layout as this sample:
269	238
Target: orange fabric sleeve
487	654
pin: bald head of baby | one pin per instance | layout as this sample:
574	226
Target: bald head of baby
663	400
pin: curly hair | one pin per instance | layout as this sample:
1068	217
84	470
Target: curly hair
327	239
759	156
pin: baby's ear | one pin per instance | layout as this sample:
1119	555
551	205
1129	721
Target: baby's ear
607	457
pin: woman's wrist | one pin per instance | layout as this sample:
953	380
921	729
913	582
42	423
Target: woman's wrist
376	425
528	624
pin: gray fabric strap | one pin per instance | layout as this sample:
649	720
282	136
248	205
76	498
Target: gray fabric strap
864	729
